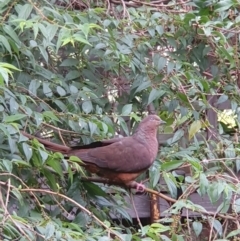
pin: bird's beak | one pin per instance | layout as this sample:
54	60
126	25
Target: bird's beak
163	122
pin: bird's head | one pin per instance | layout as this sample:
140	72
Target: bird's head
150	124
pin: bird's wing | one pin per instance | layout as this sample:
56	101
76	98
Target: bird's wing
127	155
96	144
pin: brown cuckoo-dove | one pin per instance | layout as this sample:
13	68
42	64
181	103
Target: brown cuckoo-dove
120	160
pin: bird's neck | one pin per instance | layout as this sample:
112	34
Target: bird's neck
148	138
145	135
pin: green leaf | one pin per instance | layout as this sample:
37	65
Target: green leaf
176	137
5	43
1	108
160	227
50	115
20	163
143	86
35	30
123	125
171	165
222	99
51	31
4	76
70	62
46	90
81	39
61	91
74	226
173	105
155	176
73	74
75	159
93	189
161	63
87	106
85	29
203	183
70	174
34	85
183	97
224	207
44	155
27	151
236	205
18	195
8	66
3	128
43	30
218	226
214	192
194	128
43	52
50	179
144	230
9	30
151	32
170	67
197	227
14	106
56	166
50	229
160	30
221	240
126	110
164	238
170	184
93	127
25	11
13	118
237	164
233	233
223	5
73	89
155	94
135	117
207	31
7	164
38	118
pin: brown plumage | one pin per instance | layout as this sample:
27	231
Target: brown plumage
120	160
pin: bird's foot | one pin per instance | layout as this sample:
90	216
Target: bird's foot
138	186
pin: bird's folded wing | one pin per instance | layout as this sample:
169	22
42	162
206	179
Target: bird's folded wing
127	156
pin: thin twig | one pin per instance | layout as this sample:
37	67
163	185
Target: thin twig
7	196
108	6
188	225
211	230
135	210
229	170
60	135
68	199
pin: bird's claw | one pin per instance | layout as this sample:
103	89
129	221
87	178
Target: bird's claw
140	187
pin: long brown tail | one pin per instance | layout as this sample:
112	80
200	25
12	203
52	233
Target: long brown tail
48	144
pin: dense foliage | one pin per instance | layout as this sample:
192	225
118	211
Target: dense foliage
80	71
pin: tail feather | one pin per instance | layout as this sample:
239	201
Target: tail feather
49	145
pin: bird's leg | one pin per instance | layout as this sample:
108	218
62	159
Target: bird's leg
138	186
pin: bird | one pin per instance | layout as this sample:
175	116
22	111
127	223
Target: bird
119	160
